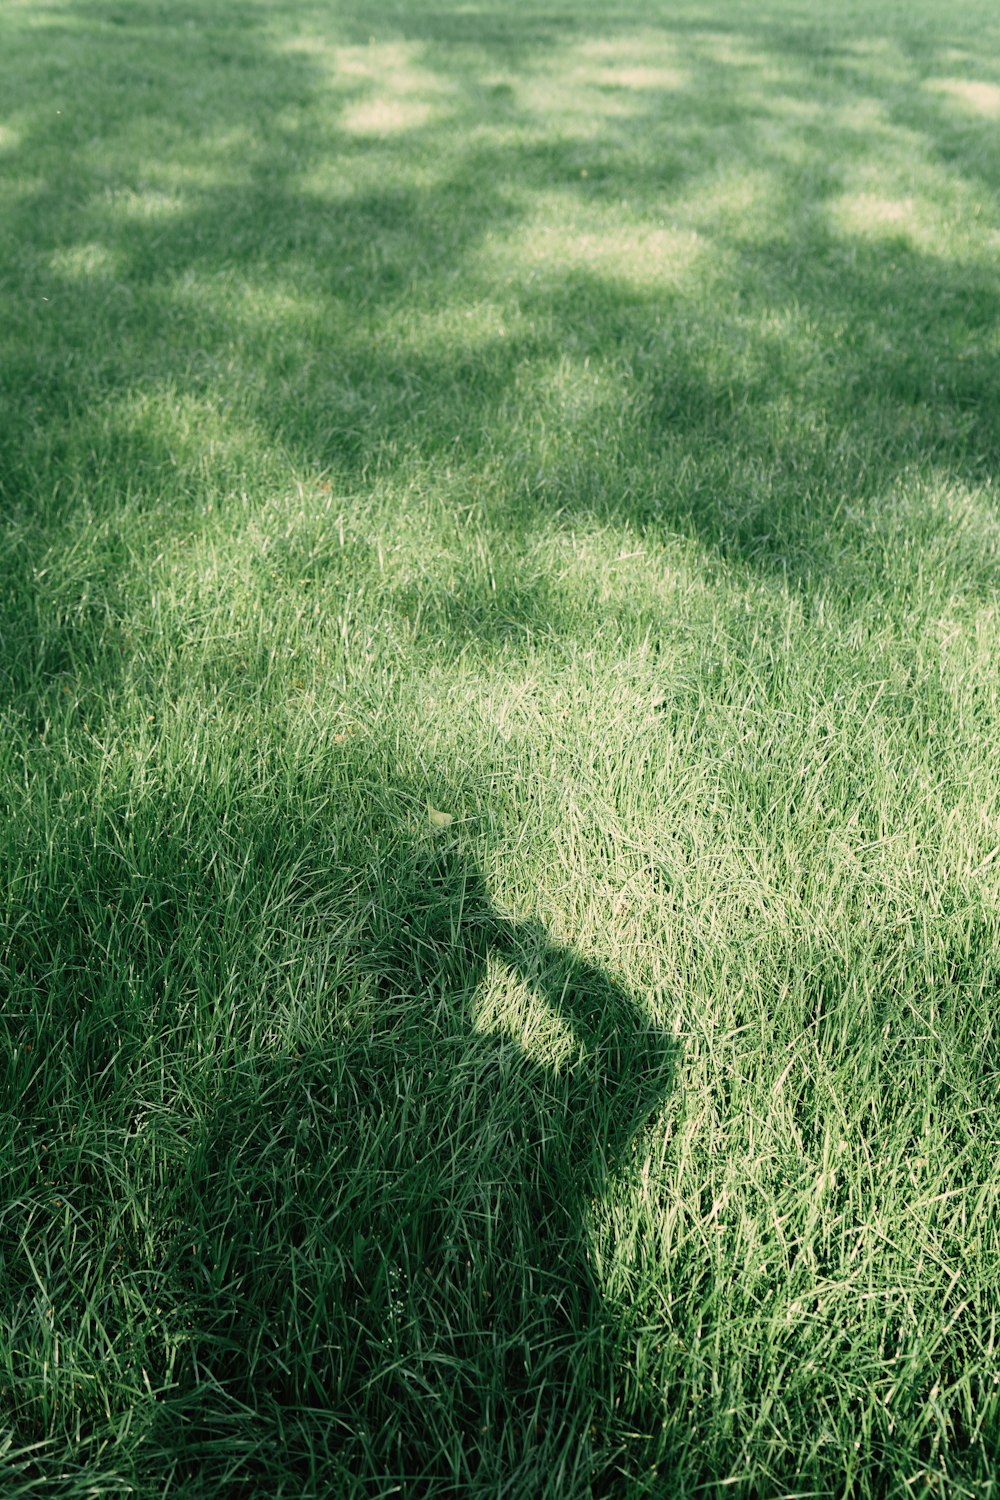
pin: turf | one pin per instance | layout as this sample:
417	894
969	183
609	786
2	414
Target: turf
499	723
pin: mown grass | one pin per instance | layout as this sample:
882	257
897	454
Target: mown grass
585	426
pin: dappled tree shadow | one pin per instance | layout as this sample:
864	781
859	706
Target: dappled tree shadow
819	305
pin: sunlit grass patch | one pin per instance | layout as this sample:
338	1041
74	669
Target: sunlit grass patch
566	238
382	87
82	262
877	217
216	161
387	116
737	204
643	61
737	51
971	94
601	78
510	1008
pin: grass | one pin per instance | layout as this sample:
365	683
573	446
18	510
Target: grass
586	426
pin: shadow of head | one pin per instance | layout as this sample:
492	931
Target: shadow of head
431	1182
437	939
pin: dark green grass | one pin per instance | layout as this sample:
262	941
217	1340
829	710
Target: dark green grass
500	927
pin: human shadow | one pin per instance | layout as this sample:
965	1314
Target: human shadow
402	1238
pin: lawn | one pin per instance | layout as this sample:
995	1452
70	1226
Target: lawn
499	749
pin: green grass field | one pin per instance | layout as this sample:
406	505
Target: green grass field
499	749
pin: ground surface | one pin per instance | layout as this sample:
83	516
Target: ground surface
499	749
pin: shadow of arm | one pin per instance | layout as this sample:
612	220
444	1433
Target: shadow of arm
623	1066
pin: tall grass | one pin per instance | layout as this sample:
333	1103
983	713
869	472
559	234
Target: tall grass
499	696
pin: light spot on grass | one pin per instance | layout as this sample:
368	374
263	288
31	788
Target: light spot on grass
867	211
560	99
468	327
874	217
862	114
9	138
81	262
735	51
636	62
222	158
641	77
387	116
601	79
145	204
164	438
506	1004
879	57
746	204
264	306
395	65
792	107
390	91
635	254
579	397
971	94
